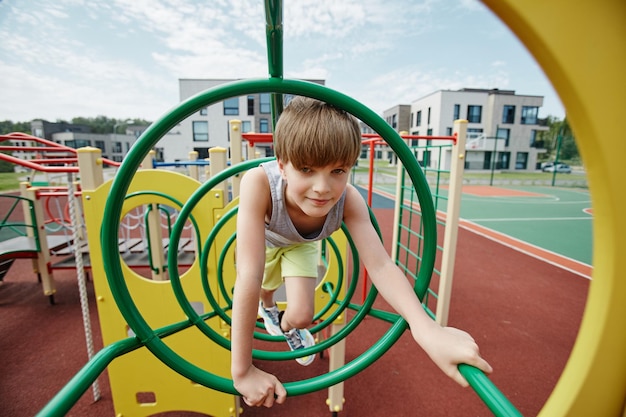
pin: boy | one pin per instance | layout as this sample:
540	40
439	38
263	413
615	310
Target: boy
287	205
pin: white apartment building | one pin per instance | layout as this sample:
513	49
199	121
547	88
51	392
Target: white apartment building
502	126
209	127
114	146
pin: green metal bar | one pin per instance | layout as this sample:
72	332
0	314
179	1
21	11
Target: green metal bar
379	314
149	246
20	228
274	37
67	397
76	387
493	398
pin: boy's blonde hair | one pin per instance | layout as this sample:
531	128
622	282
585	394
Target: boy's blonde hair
313	133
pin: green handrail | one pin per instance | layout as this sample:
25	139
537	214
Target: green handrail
493	398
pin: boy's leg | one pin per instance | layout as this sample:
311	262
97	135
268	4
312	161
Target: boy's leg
300	293
267	298
272	280
299	271
299	315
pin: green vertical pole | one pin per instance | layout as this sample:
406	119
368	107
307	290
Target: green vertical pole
274	37
494	159
559	139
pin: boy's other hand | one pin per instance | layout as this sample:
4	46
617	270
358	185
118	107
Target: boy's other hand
450	347
258	388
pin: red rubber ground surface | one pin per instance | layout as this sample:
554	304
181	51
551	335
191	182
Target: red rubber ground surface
523	312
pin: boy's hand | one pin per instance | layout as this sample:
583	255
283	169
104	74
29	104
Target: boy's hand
258	388
450	347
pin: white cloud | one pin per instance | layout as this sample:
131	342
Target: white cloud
327	18
123	58
472	5
407	84
41	96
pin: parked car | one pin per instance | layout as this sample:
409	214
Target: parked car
560	168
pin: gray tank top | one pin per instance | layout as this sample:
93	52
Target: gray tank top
280	231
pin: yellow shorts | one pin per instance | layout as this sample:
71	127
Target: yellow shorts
292	261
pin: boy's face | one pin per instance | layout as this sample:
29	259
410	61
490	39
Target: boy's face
314	190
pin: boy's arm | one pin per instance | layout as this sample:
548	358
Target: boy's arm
447	347
255	386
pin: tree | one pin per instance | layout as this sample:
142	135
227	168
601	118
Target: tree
559	130
8	126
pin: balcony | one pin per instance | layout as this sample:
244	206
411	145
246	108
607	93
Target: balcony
483	143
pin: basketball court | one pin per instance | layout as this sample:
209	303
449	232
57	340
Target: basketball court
551	223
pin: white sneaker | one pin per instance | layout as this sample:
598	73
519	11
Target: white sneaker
271	319
300	339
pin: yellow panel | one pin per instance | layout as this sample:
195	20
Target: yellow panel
229	272
141	385
581	46
332	276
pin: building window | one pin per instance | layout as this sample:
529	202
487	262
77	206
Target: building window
521	160
503	160
201	131
448	131
503	134
457	112
100	145
203	153
474	133
394	121
474	113
78	143
81	143
250	105
535	140
529	115
418	116
411	122
508	114
231	106
265	103
428	120
264	126
246	126
117	147
204	111
287	99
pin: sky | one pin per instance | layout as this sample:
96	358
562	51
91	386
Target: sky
61	59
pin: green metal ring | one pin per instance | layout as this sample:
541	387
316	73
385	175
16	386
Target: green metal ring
156	131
